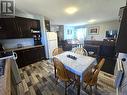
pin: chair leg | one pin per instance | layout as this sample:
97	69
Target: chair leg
86	86
56	80
55	71
65	88
78	85
96	86
91	90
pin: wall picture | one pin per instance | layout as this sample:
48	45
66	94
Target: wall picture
94	30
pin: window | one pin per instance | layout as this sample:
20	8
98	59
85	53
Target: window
81	34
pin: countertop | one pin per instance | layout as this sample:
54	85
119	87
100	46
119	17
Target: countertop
22	48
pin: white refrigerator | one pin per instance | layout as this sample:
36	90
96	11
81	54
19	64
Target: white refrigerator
52	43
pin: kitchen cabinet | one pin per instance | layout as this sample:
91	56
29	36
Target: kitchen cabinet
34	24
47	25
18	27
24	27
8	28
20	59
29	56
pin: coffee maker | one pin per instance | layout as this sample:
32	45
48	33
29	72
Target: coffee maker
37	37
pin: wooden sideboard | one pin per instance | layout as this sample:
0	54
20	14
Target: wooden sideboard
105	49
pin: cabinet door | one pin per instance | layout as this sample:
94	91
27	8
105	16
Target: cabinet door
23	25
39	53
34	24
20	57
8	28
47	25
3	32
28	56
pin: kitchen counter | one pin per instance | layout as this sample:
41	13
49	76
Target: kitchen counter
22	48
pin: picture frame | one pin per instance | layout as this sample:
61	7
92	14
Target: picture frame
94	30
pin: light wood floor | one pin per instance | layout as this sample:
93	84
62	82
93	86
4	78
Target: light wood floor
38	79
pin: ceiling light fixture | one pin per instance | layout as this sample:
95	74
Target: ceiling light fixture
92	20
71	10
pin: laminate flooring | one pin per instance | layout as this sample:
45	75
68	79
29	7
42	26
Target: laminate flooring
38	79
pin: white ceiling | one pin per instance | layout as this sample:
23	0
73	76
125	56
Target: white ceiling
101	10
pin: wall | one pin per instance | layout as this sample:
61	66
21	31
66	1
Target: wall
59	29
61	32
54	28
103	27
12	43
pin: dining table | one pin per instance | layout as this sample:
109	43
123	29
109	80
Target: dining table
77	64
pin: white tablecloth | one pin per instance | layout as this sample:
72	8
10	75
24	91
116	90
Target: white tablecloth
79	66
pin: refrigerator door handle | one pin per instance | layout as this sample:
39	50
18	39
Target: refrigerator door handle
15	55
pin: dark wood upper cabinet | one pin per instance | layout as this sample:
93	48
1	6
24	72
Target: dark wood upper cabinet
17	27
34	24
47	25
8	28
24	27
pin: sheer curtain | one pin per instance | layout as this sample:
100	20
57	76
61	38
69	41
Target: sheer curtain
81	34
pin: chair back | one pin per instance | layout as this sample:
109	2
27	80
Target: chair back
81	51
97	70
61	72
57	51
100	64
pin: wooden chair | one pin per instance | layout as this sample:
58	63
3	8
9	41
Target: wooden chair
62	74
91	77
81	51
57	51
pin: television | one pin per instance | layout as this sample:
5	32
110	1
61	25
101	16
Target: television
111	34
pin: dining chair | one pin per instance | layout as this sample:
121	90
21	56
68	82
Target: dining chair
66	45
57	51
63	74
91	76
81	51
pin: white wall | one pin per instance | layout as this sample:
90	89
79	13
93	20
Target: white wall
54	28
59	29
103	27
